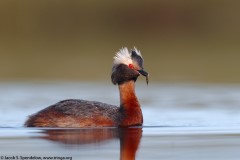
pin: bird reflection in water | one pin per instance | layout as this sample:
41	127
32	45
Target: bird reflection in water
129	138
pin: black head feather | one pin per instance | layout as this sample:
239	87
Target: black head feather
122	73
137	58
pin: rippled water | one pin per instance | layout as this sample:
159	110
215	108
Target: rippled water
180	122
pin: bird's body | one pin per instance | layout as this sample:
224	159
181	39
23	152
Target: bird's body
69	113
82	113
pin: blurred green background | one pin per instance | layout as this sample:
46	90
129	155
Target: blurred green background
181	41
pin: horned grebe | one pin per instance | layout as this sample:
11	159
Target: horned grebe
127	66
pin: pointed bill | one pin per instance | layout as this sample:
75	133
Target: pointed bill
145	74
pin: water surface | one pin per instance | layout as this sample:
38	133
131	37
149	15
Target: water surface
180	122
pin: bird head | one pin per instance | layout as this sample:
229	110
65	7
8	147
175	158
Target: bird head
127	66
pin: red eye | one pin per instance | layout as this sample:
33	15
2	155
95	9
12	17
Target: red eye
131	66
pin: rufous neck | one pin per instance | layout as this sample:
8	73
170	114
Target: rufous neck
127	94
129	105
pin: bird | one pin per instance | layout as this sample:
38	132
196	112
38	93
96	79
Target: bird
77	113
